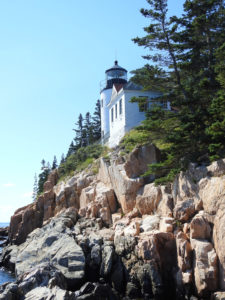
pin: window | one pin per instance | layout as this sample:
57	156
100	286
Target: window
116	111
120	107
102	102
112	114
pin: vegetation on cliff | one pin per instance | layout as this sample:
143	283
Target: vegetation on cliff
188	69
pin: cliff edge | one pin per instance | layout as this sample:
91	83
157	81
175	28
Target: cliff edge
115	235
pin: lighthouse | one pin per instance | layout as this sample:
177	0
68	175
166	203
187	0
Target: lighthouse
116	75
118	113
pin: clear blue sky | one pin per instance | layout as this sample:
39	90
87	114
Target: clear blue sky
53	55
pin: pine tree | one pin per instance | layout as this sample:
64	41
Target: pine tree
191	44
160	39
216	130
151	78
71	149
35	188
54	163
96	124
63	158
80	133
88	129
43	176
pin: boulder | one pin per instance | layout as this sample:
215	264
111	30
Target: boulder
218	296
217	168
87	196
48	244
4	231
212	193
103	173
165	205
184	210
205	267
133	229
107	260
148	199
45	293
124	187
138	160
219	242
184	252
199	227
150	223
24	221
9	292
166	224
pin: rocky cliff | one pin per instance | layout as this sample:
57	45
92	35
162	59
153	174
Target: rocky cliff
115	235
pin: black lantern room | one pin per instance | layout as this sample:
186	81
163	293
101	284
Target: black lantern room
116	74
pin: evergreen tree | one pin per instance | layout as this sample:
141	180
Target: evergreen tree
88	130
80	133
160	38
191	44
151	78
216	130
35	188
54	163
71	149
63	158
43	176
96	124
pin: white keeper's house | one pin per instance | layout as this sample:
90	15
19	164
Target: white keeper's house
118	114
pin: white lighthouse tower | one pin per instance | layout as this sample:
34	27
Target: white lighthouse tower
114	75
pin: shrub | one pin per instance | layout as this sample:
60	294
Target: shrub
79	160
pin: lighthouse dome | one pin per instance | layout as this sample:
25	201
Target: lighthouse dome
115	74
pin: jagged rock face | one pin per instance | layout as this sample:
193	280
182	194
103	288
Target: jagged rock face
139	159
95	196
24	221
54	243
164	242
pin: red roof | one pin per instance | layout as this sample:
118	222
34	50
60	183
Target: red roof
118	86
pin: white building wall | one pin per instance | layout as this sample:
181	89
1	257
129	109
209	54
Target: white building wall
133	116
117	126
105	97
130	117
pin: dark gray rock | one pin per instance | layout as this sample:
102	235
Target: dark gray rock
9	291
107	260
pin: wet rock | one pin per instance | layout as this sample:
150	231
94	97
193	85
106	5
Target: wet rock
9	292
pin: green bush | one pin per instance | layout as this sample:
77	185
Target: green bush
135	138
79	160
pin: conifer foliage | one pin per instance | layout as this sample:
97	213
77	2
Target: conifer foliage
42	177
188	68
87	131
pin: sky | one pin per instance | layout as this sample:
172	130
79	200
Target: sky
53	56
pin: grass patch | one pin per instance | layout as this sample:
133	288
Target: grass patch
80	160
135	137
